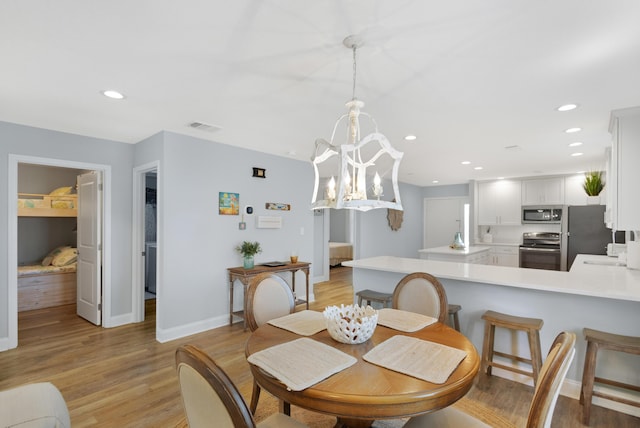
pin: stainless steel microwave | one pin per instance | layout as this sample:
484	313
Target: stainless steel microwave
542	214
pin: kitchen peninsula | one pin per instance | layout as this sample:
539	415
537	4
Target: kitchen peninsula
599	296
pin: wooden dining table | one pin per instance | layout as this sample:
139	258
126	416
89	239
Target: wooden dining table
365	392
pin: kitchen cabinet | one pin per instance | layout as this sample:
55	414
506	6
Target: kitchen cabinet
623	198
546	191
499	202
504	255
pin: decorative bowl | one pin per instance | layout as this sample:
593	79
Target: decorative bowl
351	324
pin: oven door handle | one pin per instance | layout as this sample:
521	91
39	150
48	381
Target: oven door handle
541	250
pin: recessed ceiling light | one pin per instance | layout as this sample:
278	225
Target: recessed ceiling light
113	94
435	182
477	168
576	154
465	162
572	130
500	178
410	137
576	144
567	107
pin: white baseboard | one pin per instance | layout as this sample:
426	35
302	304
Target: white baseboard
571	389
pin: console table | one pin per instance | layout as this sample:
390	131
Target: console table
245	275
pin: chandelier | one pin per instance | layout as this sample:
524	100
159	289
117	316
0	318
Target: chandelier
345	168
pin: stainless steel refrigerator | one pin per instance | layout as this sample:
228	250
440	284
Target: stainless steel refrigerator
584	232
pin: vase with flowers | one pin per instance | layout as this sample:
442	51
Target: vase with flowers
249	250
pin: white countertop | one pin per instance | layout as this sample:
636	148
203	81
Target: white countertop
451	251
607	281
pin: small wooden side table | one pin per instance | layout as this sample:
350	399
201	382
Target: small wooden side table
245	275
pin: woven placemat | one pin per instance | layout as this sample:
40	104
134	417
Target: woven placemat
424	360
403	320
302	362
304	323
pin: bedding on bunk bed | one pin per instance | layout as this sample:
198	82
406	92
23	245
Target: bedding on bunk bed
59	203
340	252
50	282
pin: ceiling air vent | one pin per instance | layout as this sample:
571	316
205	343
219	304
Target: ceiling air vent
204	127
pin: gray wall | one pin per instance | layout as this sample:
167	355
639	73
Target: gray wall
374	237
197	244
27	141
452	190
338	229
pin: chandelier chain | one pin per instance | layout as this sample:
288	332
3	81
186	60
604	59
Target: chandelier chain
354	73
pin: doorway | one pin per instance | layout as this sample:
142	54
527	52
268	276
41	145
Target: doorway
13	162
146	240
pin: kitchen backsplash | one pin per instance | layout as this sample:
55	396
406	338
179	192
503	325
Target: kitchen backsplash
513	234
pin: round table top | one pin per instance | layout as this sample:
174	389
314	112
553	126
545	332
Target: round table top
366	391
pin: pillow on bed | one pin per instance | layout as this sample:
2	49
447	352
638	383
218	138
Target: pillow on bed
65	257
61	191
52	254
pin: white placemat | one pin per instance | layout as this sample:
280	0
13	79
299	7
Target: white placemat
419	358
302	362
304	323
403	320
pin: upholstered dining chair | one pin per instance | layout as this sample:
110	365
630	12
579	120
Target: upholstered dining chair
552	374
421	293
268	297
211	399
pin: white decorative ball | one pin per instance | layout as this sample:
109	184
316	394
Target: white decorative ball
351	324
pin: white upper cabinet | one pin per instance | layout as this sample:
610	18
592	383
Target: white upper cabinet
624	173
543	191
499	202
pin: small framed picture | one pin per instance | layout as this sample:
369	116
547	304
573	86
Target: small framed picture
228	203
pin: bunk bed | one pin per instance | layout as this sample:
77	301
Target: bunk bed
52	280
39	205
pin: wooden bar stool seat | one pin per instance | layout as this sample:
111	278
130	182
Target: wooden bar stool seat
374	296
614	342
531	326
453	314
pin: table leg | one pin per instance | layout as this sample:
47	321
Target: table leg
306	272
231	300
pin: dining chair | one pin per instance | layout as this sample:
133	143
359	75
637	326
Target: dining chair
268	297
545	395
421	293
210	398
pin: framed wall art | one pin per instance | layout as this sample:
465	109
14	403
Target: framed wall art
228	203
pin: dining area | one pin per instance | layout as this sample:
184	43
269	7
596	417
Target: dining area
360	367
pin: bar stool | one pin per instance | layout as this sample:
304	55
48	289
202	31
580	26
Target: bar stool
453	313
614	342
531	326
374	296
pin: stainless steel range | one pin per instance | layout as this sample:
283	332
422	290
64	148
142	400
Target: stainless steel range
540	250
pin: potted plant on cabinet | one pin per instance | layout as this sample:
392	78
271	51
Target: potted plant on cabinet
593	185
248	250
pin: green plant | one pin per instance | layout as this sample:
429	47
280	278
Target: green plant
249	249
593	183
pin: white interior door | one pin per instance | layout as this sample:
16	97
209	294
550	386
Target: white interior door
89	299
443	217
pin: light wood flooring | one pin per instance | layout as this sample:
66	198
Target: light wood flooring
122	377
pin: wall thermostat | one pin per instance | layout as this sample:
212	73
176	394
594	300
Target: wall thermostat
248	210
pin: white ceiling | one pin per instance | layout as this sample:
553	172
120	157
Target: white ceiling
469	78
